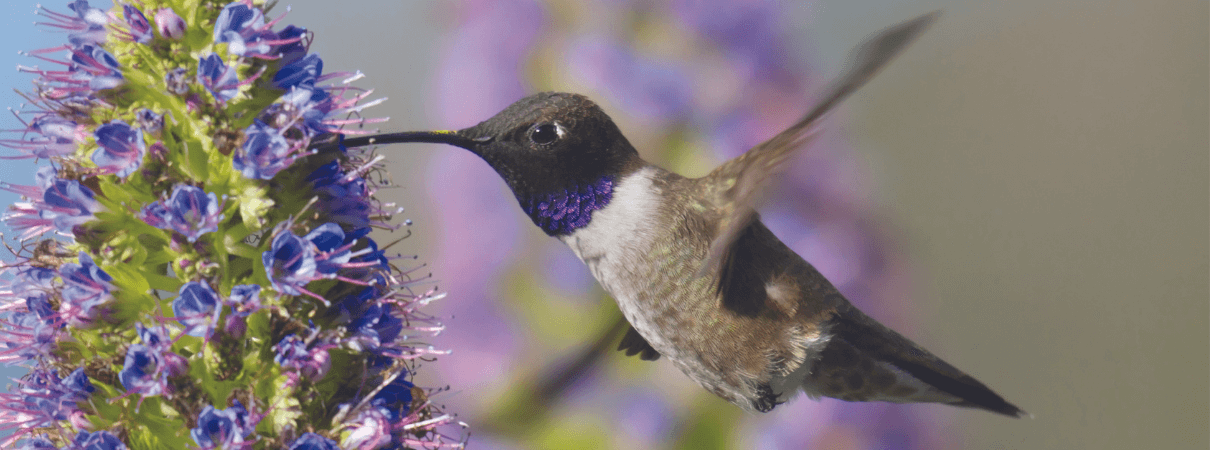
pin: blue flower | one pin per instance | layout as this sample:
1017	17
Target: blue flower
197	307
369	429
43	399
86	287
88	26
59	137
218	78
376	327
148	365
344	197
395	397
27	336
189	211
312	441
37	443
244	299
243	28
140	29
265	152
150	121
68	203
98	440
76	387
301	73
293	47
222	428
153	337
290	262
97	66
176	81
59	205
141	372
293	261
121	148
330	241
292	352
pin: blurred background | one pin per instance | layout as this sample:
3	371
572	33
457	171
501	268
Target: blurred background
1024	192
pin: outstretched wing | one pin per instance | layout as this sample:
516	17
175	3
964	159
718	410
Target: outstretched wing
746	176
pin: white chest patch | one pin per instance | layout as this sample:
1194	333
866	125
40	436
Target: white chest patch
619	236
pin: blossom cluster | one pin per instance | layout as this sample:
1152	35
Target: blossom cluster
194	266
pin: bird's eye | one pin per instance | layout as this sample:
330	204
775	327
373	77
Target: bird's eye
545	133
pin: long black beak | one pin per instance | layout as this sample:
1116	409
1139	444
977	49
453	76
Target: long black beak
434	137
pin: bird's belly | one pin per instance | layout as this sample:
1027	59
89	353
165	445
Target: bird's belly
620	246
671	310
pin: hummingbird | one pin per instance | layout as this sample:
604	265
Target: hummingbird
696	274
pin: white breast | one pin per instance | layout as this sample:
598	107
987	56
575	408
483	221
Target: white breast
618	238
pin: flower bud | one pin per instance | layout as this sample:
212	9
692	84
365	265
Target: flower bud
170	25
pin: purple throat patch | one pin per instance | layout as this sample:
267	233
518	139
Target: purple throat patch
564	211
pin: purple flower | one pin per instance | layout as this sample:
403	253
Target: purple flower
197	307
330	241
33	332
292	352
148	365
86	287
42	399
265	152
245	299
98	440
76	387
26	336
150	121
140	29
243	28
63	204
59	137
377	326
68	203
290	262
396	397
293	261
312	441
343	196
42	442
370	429
189	211
176	81
141	372
294	47
301	73
97	66
122	148
222	428
169	24
218	78
87	26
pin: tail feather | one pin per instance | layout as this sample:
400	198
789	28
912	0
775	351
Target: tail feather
866	361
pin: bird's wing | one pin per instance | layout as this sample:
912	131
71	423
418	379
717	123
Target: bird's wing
745	177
